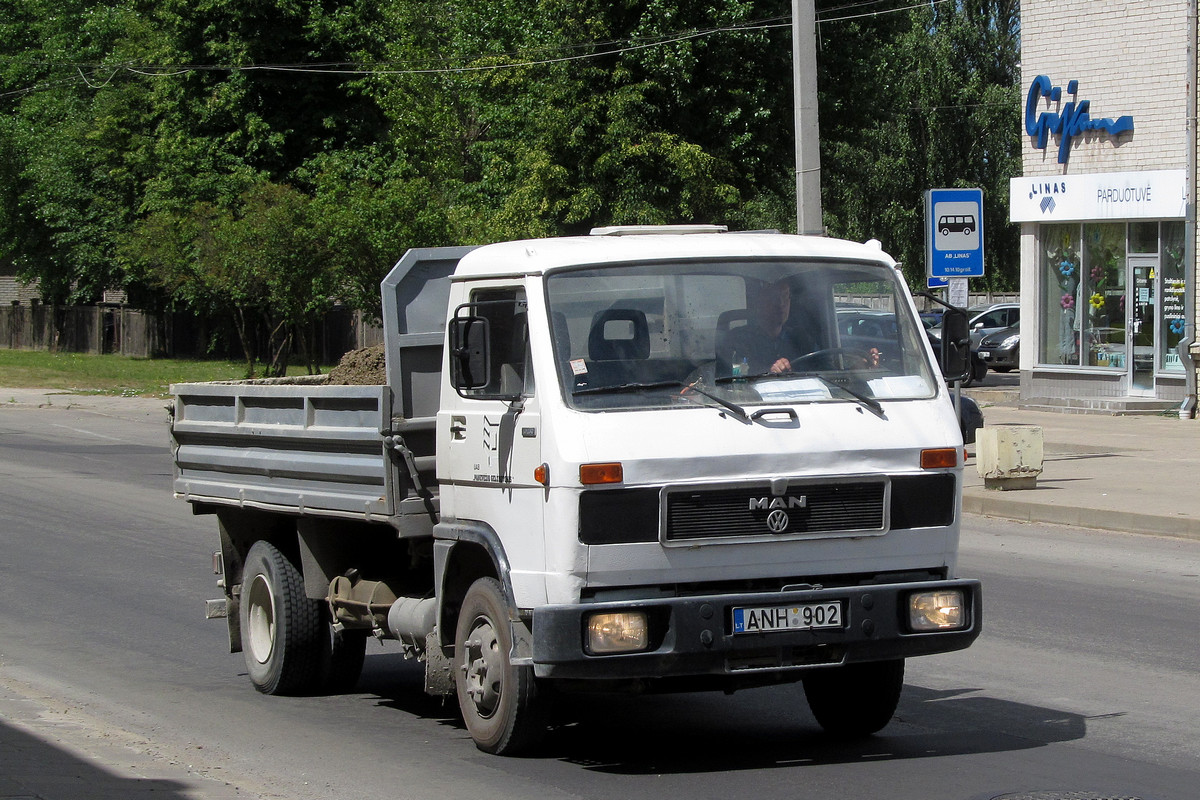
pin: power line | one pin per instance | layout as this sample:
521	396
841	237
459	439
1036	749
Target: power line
878	13
606	49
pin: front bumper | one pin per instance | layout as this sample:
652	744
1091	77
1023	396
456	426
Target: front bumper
693	636
998	358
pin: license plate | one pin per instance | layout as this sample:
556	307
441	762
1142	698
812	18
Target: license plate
984	354
787	618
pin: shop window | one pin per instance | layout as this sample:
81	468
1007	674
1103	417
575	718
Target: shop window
1091	313
1143	237
1060	268
1174	316
1101	318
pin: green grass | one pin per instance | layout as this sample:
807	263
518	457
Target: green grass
82	373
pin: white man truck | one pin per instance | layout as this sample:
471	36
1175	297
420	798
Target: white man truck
566	483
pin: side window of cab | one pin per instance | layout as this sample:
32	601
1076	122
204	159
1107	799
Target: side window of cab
490	345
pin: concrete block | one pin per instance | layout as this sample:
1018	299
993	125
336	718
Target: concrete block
1009	456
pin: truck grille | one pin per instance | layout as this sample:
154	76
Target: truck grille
852	506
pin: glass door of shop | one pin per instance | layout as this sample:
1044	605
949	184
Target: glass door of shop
1141	309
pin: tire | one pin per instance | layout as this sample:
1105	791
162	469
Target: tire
856	700
499	702
285	638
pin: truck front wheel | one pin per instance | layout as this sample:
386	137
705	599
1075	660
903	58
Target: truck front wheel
499	701
282	630
855	700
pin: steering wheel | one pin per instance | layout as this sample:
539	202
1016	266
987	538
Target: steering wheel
830	352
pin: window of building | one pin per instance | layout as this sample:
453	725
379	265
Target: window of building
1174	315
1061	260
1098	305
1102	296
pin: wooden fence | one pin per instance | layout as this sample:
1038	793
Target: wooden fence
133	332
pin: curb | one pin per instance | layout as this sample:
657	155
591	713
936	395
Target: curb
1181	527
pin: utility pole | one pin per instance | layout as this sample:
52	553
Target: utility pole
808	150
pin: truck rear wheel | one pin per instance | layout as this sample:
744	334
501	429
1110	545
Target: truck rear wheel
282	630
499	701
855	700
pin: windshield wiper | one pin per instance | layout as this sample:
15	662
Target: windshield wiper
633	387
617	388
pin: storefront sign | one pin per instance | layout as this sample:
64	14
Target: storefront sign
1071	121
1157	194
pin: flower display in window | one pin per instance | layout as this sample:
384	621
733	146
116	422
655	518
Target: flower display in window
1067	301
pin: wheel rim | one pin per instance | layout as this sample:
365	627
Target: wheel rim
261	619
484	668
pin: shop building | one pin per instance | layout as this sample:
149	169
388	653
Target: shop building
1108	263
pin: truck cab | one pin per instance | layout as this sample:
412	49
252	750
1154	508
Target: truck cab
669	510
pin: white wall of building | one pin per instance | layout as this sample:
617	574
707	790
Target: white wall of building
1130	58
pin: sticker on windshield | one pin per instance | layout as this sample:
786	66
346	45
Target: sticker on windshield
578	366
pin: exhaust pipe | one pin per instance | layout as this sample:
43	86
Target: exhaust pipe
358	603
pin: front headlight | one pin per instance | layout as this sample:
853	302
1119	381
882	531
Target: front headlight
621	632
1011	341
937	611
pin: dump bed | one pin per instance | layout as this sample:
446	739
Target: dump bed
303	446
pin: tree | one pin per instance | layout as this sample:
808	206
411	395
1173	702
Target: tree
261	264
137	133
921	100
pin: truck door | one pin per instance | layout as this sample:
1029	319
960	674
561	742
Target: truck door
493	435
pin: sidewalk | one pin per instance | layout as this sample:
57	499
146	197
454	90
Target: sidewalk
1133	473
1129	473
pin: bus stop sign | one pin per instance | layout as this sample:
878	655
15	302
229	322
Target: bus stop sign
954	233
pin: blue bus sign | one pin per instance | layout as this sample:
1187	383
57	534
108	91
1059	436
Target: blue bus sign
954	233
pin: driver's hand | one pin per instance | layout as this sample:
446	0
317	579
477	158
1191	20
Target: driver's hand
781	366
873	357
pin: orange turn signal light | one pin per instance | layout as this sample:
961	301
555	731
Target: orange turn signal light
942	458
591	474
541	474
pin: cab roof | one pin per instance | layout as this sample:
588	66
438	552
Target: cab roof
628	245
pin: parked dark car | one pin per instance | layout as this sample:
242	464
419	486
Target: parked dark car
984	320
1001	350
989	319
978	368
970	418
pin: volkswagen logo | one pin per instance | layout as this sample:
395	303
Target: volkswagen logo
777	521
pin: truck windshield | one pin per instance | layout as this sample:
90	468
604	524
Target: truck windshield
668	334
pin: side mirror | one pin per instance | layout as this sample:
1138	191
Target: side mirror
469	353
956	345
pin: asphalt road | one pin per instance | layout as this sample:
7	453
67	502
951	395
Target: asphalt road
1084	684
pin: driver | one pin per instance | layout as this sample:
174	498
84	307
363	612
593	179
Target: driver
764	344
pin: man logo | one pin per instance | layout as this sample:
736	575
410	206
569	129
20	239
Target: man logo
777	520
773	503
